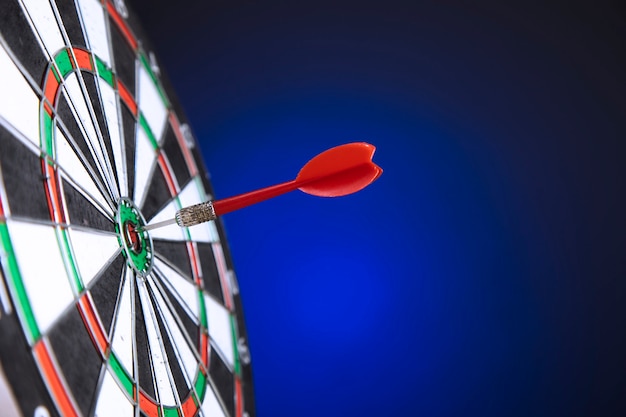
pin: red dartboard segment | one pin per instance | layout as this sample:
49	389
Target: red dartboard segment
195	267
119	21
51	185
190	406
222	269
204	349
1	210
80	59
238	398
47	108
55	383
92	324
51	86
191	164
83	59
127	98
167	172
149	407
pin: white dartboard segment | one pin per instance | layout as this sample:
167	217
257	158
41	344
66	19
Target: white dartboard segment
184	290
181	343
211	406
94	25
122	342
151	104
111	400
145	163
110	104
44	25
220	330
46	281
163	383
92	251
20	105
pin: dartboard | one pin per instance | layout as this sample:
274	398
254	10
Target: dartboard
97	315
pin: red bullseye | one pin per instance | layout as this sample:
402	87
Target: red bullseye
132	236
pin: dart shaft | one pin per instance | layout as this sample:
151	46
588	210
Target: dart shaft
209	210
237	202
159	224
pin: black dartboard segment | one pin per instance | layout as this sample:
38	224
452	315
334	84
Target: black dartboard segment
97	317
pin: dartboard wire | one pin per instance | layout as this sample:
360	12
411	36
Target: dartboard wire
109	170
197	382
170	264
231	368
101	271
94	401
35	85
213	387
133	327
222	268
158	285
81	124
146	303
160	159
111	359
92	323
44	154
56	224
75	303
103	156
37	148
118	106
43	99
139	201
179	298
4	295
199	371
79	77
102	186
8	262
122	174
117	298
96	178
200	366
184	145
148	347
126	278
196	268
159	298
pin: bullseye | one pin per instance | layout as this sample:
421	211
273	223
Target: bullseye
135	242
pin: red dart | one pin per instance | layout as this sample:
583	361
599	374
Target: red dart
339	171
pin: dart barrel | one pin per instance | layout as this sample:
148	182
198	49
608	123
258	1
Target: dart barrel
196	214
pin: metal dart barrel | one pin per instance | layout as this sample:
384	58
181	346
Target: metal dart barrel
196	214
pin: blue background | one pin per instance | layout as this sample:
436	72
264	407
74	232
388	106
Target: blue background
484	273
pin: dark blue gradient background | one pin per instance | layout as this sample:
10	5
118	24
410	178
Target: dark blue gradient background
484	273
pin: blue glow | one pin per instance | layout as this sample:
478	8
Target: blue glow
482	274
